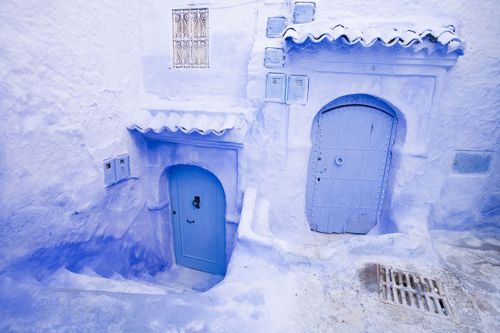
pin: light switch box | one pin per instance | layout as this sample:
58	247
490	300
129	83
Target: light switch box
122	165
297	89
274	57
275	26
109	171
275	87
303	12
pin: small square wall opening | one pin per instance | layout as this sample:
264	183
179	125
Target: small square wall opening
275	26
274	57
472	162
303	12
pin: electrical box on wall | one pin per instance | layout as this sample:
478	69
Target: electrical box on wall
297	89
122	165
109	171
292	89
275	87
116	169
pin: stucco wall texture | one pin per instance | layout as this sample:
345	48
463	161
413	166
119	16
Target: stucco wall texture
72	73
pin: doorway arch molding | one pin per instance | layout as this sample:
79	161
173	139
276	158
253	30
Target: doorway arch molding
361	99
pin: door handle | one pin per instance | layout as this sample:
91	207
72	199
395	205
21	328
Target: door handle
339	160
196	202
189	221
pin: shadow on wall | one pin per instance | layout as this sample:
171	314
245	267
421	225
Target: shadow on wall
491	207
388	223
104	255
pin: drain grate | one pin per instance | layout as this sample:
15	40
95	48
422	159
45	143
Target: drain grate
412	291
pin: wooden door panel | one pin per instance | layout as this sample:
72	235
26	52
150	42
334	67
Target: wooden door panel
199	220
198	236
349	166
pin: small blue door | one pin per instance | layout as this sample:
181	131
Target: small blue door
350	160
198	211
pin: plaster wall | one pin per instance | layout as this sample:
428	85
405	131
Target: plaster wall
72	75
68	82
436	102
410	89
231	31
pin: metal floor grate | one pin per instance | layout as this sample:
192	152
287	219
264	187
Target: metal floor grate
412	291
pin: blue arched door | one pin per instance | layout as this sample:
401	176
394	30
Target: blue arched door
198	211
349	165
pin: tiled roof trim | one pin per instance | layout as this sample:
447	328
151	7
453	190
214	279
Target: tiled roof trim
188	122
444	38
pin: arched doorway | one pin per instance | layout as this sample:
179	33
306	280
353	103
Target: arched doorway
198	213
349	164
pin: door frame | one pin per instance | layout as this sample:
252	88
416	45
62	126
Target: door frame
221	239
346	101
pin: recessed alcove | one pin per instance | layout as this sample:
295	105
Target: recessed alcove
183	153
400	65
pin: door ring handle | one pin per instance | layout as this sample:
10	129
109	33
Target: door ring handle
339	160
189	221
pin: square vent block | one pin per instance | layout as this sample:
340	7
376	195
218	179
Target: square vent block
275	87
472	162
303	12
122	165
275	26
109	171
274	57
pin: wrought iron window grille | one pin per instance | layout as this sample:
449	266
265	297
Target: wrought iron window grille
190	38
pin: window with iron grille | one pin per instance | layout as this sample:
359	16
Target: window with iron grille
190	38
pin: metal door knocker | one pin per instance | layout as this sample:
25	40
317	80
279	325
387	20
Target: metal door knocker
339	160
189	221
196	202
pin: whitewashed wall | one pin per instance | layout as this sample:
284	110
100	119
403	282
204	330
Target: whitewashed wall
68	81
463	117
72	75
